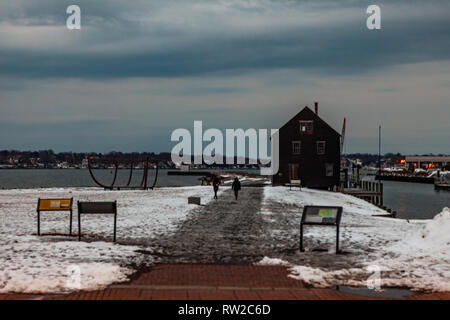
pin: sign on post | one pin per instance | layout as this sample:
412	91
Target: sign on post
53	205
321	216
97	208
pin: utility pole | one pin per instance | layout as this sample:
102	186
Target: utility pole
379	148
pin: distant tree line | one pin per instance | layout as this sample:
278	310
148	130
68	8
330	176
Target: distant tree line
50	157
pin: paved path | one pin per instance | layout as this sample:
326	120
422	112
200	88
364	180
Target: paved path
224	231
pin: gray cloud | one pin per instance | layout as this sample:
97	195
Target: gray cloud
115	43
138	70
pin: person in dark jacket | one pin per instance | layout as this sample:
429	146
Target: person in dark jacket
216	183
236	186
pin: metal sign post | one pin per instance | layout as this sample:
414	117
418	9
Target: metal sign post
53	205
321	216
97	208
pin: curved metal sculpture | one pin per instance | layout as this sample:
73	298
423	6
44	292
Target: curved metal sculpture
101	184
131	174
156	175
143	184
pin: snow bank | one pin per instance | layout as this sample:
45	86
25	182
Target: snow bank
317	197
266	261
32	264
413	254
433	237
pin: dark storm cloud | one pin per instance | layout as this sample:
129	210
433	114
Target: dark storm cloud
139	69
344	46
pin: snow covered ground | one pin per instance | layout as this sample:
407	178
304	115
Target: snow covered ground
412	254
32	264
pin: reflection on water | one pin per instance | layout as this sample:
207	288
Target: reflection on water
384	293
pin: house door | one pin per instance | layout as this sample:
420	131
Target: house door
293	171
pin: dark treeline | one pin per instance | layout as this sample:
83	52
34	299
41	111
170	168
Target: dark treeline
49	156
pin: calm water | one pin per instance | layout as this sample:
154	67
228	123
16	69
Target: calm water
414	200
47	178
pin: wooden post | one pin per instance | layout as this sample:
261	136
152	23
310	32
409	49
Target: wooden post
39	222
38	218
301	237
115	220
70	228
79	222
381	193
377	201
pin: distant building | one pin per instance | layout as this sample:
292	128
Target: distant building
309	151
84	163
427	162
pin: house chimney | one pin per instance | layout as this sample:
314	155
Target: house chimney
316	107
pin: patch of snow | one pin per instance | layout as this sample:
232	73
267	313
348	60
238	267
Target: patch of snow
433	237
266	261
307	196
413	254
32	264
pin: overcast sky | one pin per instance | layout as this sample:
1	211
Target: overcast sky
137	70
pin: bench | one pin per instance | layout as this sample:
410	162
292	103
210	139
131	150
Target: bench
53	205
97	208
294	183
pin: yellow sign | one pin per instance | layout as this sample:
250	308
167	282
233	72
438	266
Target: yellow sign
54	204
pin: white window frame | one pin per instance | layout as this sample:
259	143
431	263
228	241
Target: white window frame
299	143
306	126
323	150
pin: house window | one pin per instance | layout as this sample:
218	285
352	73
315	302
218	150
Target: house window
306	127
329	169
296	147
320	147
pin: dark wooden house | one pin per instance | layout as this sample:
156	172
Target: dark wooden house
309	151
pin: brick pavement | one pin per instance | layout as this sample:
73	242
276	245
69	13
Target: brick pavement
213	282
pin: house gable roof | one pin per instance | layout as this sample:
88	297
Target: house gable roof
313	115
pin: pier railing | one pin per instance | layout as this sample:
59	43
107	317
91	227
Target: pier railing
371	191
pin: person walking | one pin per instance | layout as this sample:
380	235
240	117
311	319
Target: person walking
236	186
216	183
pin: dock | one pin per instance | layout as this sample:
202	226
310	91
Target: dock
370	191
190	173
360	193
442	186
405	178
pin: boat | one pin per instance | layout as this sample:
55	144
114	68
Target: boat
442	181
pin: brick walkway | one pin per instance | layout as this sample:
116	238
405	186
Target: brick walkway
213	282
